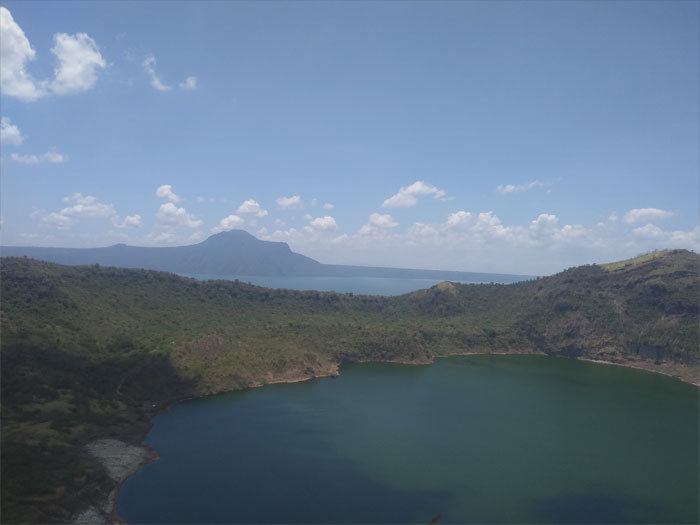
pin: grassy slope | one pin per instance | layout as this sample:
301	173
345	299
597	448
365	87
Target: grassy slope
87	352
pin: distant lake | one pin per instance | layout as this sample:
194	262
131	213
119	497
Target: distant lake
476	439
357	285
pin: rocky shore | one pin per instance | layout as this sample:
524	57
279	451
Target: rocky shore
120	460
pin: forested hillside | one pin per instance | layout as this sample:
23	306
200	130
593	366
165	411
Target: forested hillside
90	352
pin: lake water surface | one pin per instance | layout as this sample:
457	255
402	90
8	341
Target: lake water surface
357	285
476	439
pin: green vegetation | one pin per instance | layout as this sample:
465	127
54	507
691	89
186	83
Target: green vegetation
91	352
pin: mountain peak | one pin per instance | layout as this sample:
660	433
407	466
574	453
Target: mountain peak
230	235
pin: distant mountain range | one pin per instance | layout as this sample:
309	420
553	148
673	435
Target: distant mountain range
234	253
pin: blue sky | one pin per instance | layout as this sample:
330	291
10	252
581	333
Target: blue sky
521	137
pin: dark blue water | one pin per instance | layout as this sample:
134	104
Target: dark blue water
477	439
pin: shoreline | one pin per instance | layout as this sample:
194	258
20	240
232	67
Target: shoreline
694	382
148	454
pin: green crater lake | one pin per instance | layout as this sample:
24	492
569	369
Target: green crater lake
475	439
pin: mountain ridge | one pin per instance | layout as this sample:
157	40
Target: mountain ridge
234	253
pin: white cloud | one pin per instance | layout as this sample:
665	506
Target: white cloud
189	84
87	206
686	239
513	188
251	207
163	237
377	223
196	236
328	206
649	231
15	52
473	241
57	220
288	203
54	158
166	192
78	58
9	133
422	230
324	223
149	64
651	236
228	223
488	223
382	221
171	215
50	156
406	197
130	221
646	214
544	223
308	216
459	218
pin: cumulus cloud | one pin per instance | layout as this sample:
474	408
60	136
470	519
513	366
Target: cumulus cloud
545	222
251	207
382	221
459	218
376	223
57	220
407	196
149	66
162	237
9	133
51	157
481	241
328	206
324	223
15	52
130	221
170	215
288	203
189	84
228	223
86	206
513	188
166	192
646	214
649	231
78	59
